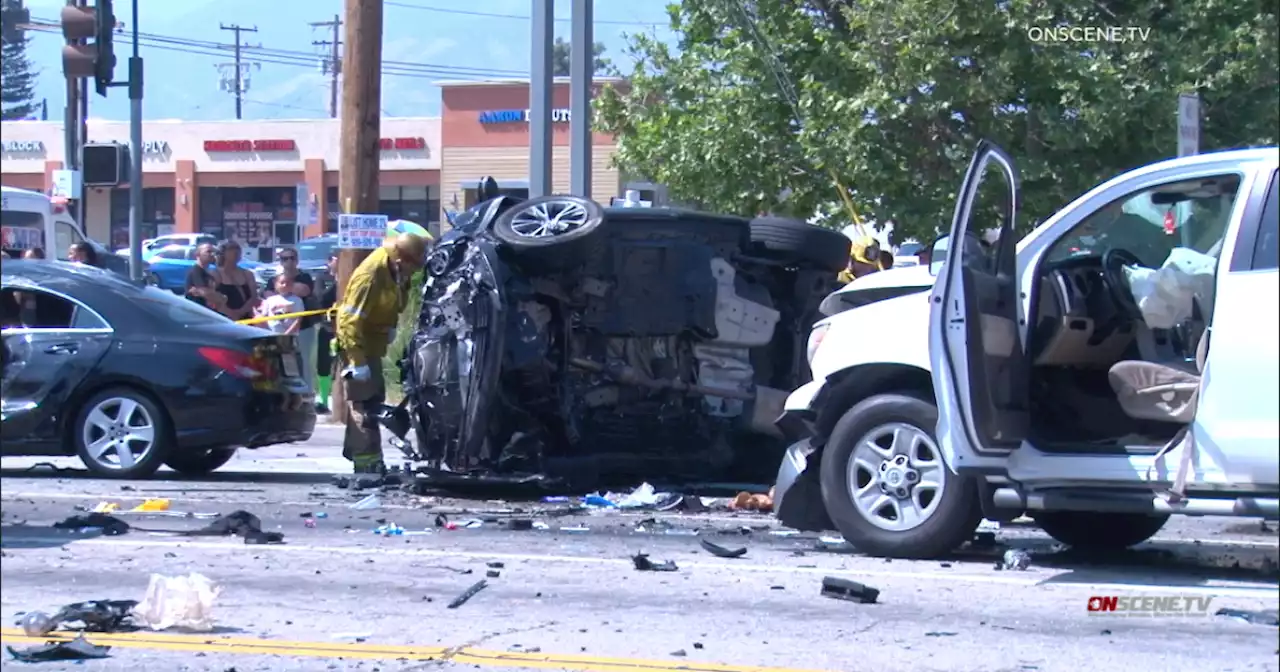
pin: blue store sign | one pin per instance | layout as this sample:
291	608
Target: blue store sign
558	116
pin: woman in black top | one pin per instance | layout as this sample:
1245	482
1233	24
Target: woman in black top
235	283
324	341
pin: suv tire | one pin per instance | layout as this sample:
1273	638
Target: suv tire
798	243
551	248
1092	531
949	524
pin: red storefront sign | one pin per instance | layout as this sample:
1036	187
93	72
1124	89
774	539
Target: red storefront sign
402	143
250	145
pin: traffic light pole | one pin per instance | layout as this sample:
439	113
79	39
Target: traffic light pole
135	155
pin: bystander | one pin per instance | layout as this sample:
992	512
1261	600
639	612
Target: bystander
82	253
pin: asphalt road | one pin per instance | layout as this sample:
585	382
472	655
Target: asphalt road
337	596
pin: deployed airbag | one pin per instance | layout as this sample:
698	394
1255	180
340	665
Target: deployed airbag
1165	295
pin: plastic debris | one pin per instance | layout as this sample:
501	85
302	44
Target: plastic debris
467	594
539	525
178	602
493	573
242	524
76	649
321	514
1014	559
837	544
644	564
151	506
1264	617
389	530
368	503
598	501
105	507
110	525
556	500
844	589
721	551
643	496
575	528
308	522
785	533
520	524
983	540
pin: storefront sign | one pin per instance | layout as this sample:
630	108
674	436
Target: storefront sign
23	147
558	116
409	144
152	147
250	145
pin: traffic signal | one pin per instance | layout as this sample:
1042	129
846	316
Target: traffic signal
104	165
94	59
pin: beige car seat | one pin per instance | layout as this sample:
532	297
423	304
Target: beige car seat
1167	393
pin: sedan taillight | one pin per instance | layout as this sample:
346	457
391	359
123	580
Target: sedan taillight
237	363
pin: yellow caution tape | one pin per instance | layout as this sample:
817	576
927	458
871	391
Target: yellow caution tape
287	316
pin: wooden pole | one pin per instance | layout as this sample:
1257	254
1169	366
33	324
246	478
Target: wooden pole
361	128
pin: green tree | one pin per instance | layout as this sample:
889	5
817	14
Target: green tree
17	75
562	50
884	104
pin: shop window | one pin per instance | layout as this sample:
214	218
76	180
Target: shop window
259	218
471	196
157	214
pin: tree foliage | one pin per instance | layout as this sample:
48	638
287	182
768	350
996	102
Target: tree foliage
883	100
562	52
17	75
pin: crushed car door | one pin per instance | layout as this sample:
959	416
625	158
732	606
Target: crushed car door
42	368
976	349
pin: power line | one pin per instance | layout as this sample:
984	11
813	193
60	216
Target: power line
294	57
490	15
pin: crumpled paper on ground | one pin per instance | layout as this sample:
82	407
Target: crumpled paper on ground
178	602
1164	295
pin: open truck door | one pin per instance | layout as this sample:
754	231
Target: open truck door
977	327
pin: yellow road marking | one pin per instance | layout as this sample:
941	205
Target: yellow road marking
461	655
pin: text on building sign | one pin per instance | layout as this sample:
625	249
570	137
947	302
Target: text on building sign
250	145
23	146
558	116
1150	605
402	143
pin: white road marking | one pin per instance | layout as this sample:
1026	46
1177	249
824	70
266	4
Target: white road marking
1044	579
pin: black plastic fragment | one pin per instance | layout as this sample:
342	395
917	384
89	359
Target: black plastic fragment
76	649
98	615
844	589
721	551
520	524
110	525
469	593
242	524
493	573
644	564
442	520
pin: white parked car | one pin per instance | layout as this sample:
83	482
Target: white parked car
1066	377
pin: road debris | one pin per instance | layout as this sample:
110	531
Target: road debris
520	524
746	501
1269	617
368	503
76	649
242	524
983	540
151	506
644	564
469	593
1014	559
844	589
834	544
721	551
178	602
493	573
110	525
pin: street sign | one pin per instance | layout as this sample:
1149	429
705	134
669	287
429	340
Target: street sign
66	184
361	232
1188	124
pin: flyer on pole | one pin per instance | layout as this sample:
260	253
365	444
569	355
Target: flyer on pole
361	232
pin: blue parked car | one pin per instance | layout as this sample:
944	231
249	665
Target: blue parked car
171	264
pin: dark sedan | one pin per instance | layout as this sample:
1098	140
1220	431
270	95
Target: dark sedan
128	377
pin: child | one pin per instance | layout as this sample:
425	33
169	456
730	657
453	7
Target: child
283	302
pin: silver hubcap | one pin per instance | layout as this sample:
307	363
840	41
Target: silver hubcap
551	218
896	477
118	433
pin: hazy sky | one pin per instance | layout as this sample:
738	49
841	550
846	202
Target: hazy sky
424	41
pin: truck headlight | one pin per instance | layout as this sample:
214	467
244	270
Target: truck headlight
815	340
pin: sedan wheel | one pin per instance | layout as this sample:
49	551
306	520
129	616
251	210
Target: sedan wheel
120	433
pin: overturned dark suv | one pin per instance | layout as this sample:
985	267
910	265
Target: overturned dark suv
559	339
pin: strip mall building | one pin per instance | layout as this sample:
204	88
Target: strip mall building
259	180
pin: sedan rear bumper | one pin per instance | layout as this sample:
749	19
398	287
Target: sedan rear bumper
260	418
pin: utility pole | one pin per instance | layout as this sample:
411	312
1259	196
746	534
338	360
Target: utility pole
332	66
361	128
241	79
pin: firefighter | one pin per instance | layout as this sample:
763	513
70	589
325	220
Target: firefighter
864	259
375	295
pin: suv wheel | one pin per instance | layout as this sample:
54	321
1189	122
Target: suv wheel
886	486
1091	531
